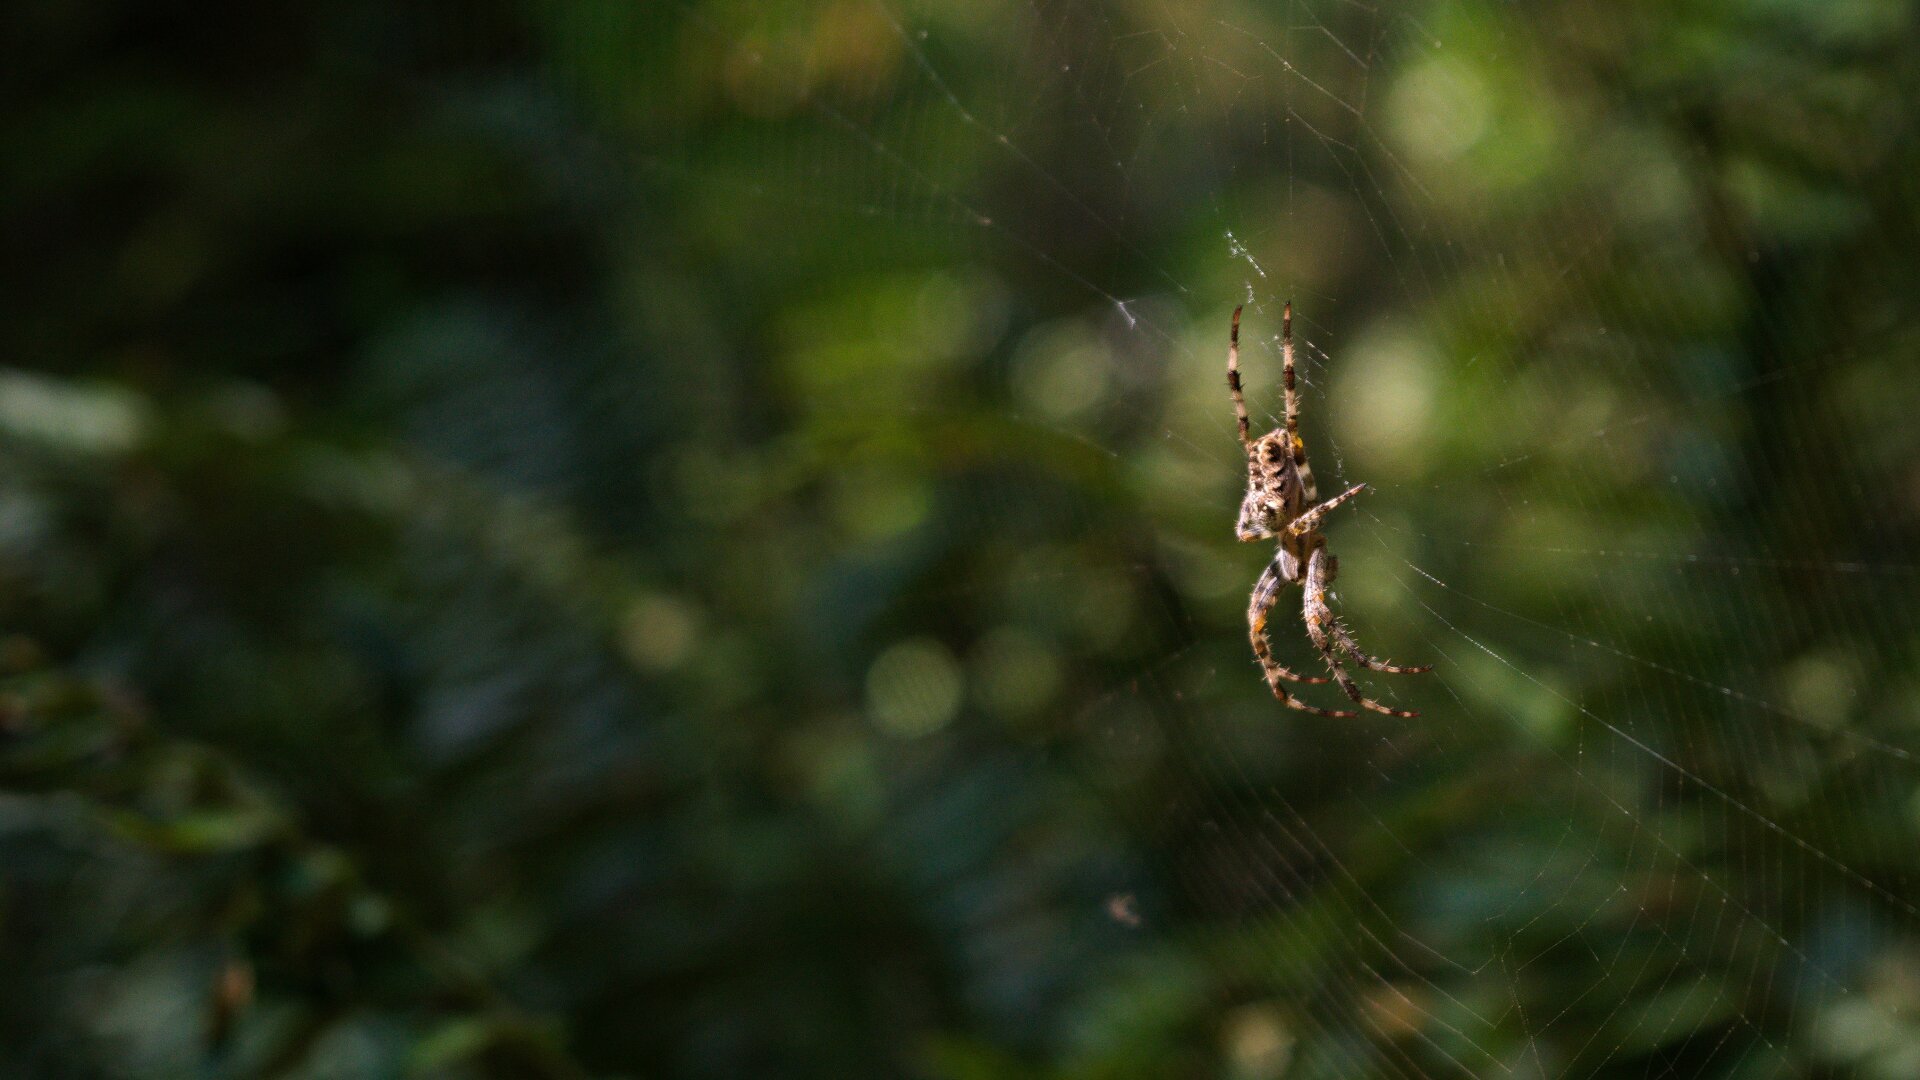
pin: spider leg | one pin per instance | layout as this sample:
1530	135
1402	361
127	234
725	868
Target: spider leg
1344	640
1264	595
1294	444
1233	382
1310	520
1322	627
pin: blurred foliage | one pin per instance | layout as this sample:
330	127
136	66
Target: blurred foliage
693	540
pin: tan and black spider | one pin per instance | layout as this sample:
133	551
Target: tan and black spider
1280	491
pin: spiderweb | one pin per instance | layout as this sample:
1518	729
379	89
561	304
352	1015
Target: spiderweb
1582	314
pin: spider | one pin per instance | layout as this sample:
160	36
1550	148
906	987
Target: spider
1280	491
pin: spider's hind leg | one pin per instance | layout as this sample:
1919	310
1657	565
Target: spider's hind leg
1233	384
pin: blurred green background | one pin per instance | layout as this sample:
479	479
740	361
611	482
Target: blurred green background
694	540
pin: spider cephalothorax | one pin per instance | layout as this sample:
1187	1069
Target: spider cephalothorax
1280	492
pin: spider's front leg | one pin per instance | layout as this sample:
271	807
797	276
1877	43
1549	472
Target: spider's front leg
1324	629
1372	663
1344	639
1265	593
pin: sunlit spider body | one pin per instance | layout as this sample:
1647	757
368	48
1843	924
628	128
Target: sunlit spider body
1280	506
